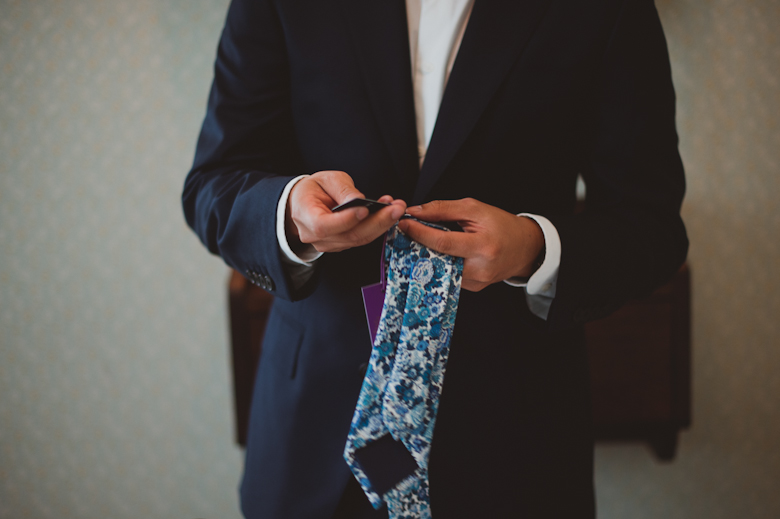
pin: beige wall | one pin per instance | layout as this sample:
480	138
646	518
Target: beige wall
726	65
114	381
114	389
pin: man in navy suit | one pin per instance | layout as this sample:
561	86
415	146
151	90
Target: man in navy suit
537	93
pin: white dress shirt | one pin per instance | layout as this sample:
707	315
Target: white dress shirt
436	29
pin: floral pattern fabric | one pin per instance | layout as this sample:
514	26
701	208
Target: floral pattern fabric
405	375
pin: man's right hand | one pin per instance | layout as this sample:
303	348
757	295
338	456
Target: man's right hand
309	219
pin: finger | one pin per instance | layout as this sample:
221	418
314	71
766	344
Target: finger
311	207
446	210
379	222
357	230
459	244
320	223
338	185
366	231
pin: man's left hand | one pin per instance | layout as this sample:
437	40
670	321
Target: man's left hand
496	245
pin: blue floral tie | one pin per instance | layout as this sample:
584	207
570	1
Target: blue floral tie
389	441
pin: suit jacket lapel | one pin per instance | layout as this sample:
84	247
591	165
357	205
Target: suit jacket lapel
380	39
496	34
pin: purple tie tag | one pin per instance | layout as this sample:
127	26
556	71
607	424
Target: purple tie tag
374	297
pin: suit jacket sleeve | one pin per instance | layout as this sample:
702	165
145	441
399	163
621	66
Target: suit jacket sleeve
246	150
630	238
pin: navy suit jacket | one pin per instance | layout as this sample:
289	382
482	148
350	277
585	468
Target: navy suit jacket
541	91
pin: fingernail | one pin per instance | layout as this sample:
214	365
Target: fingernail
397	213
414	209
361	213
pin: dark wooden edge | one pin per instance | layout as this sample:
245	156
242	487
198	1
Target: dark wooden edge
240	354
248	311
660	438
681	348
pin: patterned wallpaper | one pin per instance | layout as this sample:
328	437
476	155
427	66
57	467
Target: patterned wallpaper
114	382
114	376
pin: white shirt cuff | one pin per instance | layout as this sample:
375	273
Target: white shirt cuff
308	256
540	287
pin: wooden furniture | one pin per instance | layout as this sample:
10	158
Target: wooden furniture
639	361
640	369
249	307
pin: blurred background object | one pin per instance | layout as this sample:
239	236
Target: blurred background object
115	392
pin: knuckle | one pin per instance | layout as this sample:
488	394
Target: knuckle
331	248
481	276
472	285
354	237
442	243
317	229
345	191
492	252
319	177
